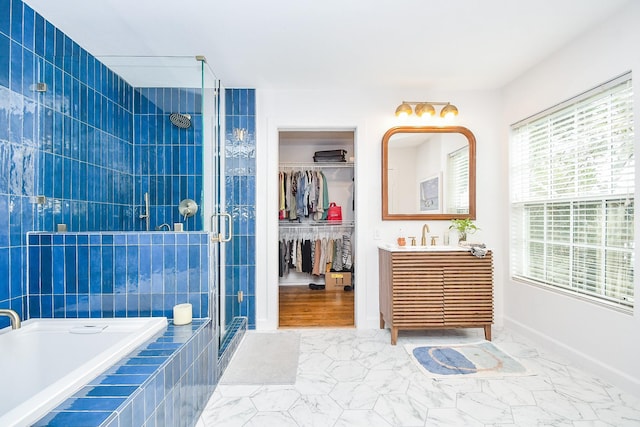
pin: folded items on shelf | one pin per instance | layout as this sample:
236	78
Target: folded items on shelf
330	156
330	153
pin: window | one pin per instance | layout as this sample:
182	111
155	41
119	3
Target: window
458	181
572	195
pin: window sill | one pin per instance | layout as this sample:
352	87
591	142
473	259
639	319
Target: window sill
593	300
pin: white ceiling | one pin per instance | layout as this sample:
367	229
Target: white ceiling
321	44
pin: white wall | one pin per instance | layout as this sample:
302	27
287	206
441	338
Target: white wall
371	114
598	338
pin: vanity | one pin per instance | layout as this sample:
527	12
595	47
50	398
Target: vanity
429	174
436	287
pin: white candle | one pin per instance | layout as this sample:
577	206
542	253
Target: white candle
182	314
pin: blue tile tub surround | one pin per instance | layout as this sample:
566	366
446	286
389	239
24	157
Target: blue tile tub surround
230	342
165	382
119	274
168	158
240	202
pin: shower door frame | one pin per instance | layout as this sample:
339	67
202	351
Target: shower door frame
219	232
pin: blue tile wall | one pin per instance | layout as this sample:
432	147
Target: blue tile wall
240	202
119	274
166	382
70	143
75	144
168	158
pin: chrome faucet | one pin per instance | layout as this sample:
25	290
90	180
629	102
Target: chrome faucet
425	230
15	318
161	226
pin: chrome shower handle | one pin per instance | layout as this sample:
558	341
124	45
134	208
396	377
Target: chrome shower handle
220	237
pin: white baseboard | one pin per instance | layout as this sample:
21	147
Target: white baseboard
581	360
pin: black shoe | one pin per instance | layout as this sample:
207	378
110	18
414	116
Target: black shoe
348	288
315	287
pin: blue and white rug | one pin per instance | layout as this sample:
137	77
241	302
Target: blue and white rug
472	359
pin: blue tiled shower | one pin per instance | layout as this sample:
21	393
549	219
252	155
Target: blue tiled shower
168	159
81	144
72	145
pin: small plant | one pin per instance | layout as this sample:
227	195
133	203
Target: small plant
463	226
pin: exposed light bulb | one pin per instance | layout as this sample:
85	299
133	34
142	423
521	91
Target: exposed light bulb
403	110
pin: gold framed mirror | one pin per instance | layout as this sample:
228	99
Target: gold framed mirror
428	173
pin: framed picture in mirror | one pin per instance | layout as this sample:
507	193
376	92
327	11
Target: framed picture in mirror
430	194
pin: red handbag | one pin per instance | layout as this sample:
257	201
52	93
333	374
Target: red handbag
334	213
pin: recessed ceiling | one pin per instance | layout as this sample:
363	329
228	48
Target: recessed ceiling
338	44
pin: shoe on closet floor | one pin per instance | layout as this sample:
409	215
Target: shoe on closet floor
315	287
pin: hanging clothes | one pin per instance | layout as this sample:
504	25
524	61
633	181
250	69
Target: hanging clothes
327	251
293	206
329	257
299	256
301	190
337	255
346	252
281	250
282	211
319	209
303	194
307	261
325	197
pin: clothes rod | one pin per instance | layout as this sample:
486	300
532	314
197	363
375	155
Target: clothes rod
315	165
319	225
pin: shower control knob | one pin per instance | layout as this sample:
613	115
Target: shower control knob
188	208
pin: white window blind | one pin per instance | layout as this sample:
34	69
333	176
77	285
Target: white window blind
572	176
458	181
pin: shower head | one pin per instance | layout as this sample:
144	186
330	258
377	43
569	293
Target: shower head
183	121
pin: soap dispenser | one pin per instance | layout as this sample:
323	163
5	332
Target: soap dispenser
401	239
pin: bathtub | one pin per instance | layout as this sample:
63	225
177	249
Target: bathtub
47	360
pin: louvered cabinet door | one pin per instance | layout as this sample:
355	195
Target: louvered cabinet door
417	291
468	290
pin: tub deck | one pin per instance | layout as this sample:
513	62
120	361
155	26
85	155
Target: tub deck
47	360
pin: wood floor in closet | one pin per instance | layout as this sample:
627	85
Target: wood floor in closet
301	307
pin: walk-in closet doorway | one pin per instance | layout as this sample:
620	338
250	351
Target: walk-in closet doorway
316	222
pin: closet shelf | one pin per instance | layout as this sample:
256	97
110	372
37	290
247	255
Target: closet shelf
315	165
316	225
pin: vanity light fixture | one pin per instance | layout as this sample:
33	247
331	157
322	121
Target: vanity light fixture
448	111
426	109
403	110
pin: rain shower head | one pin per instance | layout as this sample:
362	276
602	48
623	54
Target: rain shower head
183	121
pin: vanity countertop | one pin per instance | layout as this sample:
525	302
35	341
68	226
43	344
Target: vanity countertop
434	248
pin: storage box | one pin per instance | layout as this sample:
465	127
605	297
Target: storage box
337	279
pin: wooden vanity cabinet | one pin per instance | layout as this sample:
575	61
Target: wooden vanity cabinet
435	290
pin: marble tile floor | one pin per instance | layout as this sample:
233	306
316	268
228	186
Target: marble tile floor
348	377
